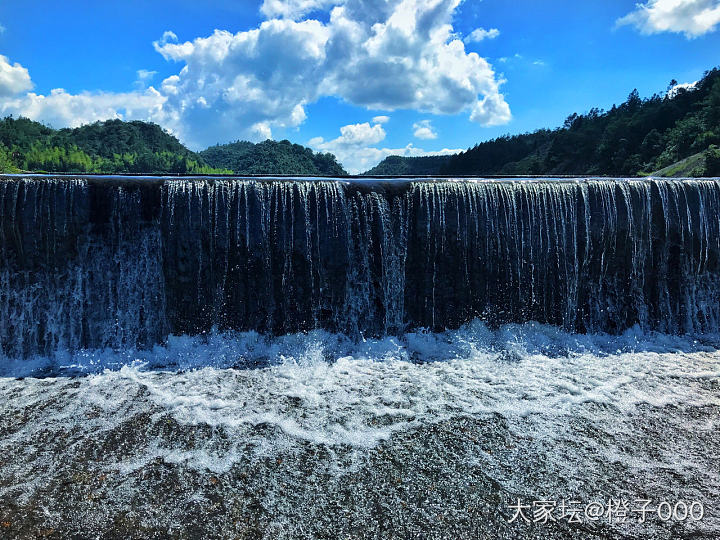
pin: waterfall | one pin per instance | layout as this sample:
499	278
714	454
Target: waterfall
120	262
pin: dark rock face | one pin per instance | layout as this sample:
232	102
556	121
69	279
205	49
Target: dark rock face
93	262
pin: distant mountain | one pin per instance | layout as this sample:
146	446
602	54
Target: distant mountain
399	165
113	146
634	138
272	157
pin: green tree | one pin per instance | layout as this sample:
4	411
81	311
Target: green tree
712	161
6	163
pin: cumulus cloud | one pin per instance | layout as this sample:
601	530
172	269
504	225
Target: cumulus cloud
354	149
381	119
424	130
690	17
491	111
250	82
145	74
14	78
365	158
352	137
407	56
378	54
144	77
675	90
480	34
359	134
61	109
293	9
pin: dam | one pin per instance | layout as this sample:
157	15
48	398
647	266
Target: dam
358	358
117	262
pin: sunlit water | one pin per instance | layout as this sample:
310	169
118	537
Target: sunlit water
432	435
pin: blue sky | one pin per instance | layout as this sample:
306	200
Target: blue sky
362	79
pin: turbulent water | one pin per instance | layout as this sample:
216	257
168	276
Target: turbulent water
205	358
433	435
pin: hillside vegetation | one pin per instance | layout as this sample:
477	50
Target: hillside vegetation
113	146
635	138
690	166
397	165
272	157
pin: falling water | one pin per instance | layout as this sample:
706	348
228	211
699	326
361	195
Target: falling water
120	262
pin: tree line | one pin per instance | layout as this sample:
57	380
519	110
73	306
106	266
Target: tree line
676	132
638	137
119	147
113	146
272	157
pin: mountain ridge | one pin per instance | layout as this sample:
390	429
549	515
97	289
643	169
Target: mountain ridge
137	147
272	157
632	139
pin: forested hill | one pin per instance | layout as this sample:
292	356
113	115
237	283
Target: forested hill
638	137
272	157
397	165
113	146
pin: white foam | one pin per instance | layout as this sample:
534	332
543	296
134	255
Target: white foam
347	398
328	390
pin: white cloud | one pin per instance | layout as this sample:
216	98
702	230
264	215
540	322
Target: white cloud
261	131
514	58
354	135
424	130
381	119
366	158
293	9
145	74
480	34
690	17
377	54
250	81
682	86
14	78
360	134
359	160
353	148
407	57
61	109
491	111
170	49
